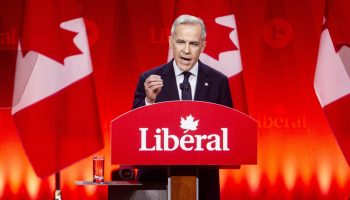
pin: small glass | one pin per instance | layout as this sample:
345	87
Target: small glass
98	169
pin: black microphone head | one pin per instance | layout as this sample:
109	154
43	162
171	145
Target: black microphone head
182	86
185	86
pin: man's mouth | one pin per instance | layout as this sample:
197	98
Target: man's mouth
186	60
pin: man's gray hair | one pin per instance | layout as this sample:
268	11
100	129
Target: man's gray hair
189	19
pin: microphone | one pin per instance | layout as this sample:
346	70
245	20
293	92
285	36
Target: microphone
184	86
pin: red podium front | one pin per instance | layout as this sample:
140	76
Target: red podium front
186	133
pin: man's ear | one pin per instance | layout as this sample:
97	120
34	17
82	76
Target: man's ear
170	42
203	46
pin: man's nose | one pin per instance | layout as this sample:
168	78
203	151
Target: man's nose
187	49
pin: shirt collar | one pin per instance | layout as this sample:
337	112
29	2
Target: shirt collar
193	70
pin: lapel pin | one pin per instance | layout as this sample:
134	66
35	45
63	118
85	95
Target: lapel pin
206	84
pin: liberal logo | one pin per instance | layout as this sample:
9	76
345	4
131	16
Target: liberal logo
189	124
164	141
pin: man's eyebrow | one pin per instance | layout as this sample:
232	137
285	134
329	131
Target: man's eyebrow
179	40
191	42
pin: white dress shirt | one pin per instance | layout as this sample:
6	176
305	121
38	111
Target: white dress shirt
192	79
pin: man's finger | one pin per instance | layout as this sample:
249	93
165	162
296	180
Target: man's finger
154	87
154	83
152	78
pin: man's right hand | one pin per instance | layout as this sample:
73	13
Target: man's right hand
153	85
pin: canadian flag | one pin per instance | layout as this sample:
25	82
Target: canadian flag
332	76
222	49
54	103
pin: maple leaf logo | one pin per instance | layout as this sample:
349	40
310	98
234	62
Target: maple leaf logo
189	124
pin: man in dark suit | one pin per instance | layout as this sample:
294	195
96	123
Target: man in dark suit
185	78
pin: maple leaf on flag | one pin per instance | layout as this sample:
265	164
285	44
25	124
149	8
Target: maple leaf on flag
218	38
56	44
189	124
45	35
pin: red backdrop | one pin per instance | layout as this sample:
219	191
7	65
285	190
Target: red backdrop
298	156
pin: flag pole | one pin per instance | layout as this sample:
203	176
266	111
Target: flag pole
58	186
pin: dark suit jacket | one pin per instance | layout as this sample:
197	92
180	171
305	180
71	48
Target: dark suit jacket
212	86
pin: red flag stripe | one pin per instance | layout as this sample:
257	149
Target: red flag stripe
60	129
238	92
337	114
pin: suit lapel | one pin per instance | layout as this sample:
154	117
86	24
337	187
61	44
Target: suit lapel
169	81
203	83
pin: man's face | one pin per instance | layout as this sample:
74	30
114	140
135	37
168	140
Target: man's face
187	44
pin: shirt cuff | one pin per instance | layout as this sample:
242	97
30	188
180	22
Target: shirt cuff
146	103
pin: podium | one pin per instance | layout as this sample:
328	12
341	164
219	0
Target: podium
184	133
